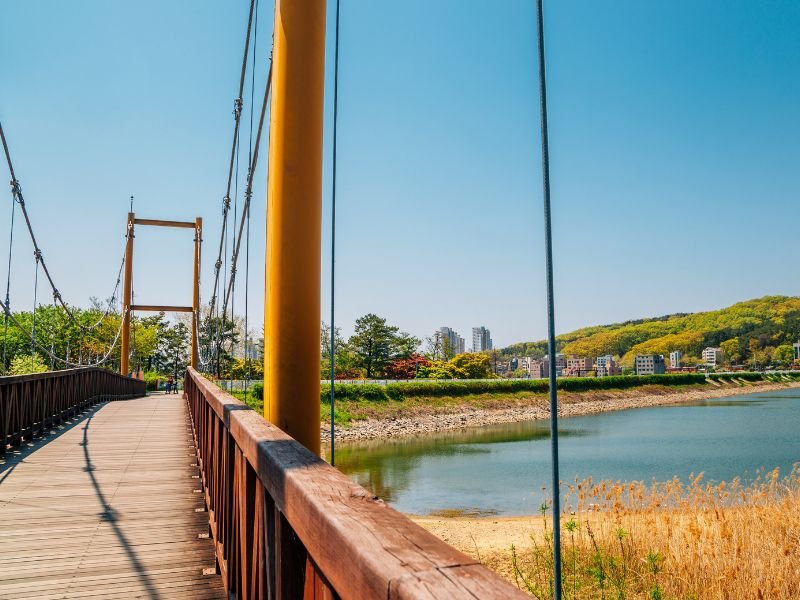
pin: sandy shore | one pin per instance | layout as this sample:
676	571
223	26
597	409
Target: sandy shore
535	407
480	535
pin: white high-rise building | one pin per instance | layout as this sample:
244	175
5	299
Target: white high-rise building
675	359
451	342
481	339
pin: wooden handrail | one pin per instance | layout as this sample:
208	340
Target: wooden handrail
286	524
31	405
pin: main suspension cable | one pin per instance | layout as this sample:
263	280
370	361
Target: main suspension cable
49	354
226	201
16	191
249	188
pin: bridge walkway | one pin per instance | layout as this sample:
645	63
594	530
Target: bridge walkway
108	506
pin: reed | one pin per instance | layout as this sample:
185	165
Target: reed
687	540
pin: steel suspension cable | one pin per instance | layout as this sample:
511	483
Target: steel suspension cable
38	256
333	235
237	111
247	243
66	362
8	284
551	330
249	188
233	268
16	190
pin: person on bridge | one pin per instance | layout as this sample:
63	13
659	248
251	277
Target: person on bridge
169	385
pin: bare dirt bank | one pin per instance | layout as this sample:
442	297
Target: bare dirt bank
419	418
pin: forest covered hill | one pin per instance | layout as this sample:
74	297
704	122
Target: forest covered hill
754	331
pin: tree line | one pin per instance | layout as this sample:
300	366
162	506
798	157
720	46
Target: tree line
378	350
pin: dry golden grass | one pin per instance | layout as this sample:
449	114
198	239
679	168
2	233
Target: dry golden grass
671	540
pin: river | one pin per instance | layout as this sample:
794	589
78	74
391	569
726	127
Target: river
502	469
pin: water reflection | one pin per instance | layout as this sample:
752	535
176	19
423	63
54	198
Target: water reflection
503	468
384	466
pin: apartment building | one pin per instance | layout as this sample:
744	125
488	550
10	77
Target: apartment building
675	359
451	343
606	366
712	356
578	366
481	339
649	364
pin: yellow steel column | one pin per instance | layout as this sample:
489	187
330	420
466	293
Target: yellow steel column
294	209
198	239
125	339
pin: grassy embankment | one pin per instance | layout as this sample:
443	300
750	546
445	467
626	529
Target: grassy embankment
362	401
669	540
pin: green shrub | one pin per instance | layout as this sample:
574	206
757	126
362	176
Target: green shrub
25	364
257	390
400	391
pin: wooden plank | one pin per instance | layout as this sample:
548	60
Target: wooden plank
108	508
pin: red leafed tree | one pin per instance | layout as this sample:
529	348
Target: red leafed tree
406	368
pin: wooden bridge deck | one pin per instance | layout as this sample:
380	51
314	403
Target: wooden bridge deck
108	507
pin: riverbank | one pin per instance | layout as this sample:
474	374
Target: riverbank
673	540
420	416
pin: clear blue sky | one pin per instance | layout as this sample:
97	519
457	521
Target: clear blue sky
675	140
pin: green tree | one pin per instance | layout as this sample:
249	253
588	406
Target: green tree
474	365
374	343
732	350
784	354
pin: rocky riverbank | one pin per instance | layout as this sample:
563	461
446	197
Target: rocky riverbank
422	420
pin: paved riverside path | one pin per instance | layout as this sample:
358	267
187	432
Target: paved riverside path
106	507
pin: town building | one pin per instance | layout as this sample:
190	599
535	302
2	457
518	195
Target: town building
649	364
501	367
712	356
606	366
796	347
675	359
450	342
481	339
537	370
578	366
530	365
541	368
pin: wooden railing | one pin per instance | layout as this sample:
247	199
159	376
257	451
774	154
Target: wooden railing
31	405
287	525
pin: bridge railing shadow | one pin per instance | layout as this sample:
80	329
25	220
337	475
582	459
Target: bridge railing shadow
285	524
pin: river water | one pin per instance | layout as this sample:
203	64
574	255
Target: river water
502	469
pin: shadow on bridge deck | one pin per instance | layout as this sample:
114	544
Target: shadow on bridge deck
108	506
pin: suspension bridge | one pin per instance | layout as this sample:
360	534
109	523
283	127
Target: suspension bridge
107	492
